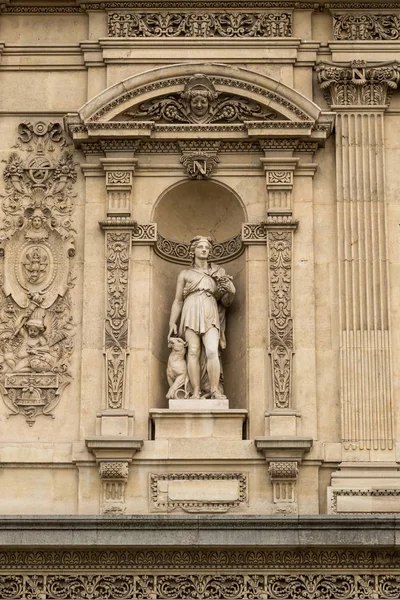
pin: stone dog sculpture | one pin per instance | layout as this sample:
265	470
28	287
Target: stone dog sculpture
203	291
177	368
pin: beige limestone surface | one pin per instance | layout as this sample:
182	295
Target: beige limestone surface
306	199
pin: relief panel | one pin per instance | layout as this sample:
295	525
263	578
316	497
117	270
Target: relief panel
36	326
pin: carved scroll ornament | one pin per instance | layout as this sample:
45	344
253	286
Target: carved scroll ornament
118	244
178	252
37	239
281	322
367	27
200	103
210	24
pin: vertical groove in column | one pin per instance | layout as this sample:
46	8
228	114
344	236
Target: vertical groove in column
366	397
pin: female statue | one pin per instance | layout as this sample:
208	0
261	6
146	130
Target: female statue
203	291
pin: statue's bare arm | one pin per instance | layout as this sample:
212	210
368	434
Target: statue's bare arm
177	305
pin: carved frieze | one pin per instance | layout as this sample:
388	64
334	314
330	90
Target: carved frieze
36	325
193	24
358	83
305	559
219	586
367	26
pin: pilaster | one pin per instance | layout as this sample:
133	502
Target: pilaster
360	94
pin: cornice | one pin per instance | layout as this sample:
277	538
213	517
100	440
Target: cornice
10	7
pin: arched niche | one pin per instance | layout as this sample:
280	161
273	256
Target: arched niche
187	209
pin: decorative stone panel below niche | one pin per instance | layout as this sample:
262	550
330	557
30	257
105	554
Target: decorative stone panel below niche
198	423
197	492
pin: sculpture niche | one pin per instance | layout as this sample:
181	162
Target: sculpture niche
203	292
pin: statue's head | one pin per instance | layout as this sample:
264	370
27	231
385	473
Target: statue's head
201	246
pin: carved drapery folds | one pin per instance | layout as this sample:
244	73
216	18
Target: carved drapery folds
36	326
366	26
360	94
193	24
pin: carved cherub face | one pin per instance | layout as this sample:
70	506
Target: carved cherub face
199	104
36	222
33	331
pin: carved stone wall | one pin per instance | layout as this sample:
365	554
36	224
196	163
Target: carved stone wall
187	118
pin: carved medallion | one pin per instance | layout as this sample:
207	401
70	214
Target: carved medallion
37	242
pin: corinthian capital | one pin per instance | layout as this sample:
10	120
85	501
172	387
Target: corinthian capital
357	83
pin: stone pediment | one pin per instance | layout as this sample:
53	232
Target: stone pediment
213	99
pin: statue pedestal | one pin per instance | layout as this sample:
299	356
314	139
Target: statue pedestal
202	404
198	422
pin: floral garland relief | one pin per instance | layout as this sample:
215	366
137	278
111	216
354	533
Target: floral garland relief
36	235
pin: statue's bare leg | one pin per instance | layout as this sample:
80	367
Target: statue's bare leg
211	344
193	361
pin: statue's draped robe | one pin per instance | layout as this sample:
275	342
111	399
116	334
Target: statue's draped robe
201	310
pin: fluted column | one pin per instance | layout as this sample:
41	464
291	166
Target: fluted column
359	94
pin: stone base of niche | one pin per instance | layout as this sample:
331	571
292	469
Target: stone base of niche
198	423
358	487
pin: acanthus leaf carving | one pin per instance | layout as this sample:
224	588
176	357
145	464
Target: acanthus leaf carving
36	325
200	102
199	165
366	26
193	24
118	244
144	585
358	83
281	345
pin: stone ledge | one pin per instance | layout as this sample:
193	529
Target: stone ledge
217	531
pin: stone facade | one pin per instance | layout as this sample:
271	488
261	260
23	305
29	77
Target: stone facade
127	129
